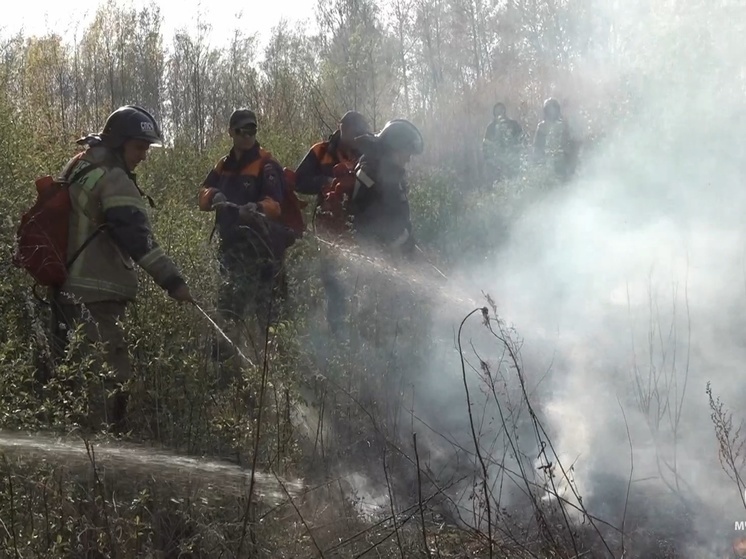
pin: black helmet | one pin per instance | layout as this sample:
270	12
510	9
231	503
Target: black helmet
551	105
131	122
400	134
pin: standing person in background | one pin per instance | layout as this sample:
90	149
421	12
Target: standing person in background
501	145
553	145
316	170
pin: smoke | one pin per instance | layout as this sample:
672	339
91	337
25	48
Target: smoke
625	288
628	285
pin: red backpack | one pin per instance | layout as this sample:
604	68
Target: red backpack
332	211
42	236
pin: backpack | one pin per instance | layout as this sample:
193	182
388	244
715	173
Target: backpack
332	211
42	236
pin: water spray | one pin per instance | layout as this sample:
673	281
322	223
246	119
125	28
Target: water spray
138	458
337	246
223	334
384	266
433	266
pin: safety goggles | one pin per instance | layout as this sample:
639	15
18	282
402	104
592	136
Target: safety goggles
248	130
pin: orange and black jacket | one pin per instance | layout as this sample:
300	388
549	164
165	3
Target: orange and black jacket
255	177
317	166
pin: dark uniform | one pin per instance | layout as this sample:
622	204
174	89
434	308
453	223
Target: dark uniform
252	246
501	145
315	174
553	145
380	203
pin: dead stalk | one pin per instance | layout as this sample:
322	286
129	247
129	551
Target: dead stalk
11	496
419	496
631	472
485	487
100	488
257	434
391	503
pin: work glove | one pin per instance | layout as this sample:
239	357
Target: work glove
218	200
401	249
182	294
249	212
251	215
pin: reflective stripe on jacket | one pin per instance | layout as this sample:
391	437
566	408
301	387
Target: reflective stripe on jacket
109	199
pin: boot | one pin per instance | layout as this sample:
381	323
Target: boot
116	407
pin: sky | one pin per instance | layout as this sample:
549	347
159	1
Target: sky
41	16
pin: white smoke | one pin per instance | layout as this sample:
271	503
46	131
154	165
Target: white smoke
630	282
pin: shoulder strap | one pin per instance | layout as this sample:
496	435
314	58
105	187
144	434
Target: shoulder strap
69	166
145	195
72	179
92	167
75	177
322	150
82	247
219	165
265	158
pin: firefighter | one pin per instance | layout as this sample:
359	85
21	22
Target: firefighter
245	190
316	171
328	172
380	219
110	223
379	205
553	145
501	144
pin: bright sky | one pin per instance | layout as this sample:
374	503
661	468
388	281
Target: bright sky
36	17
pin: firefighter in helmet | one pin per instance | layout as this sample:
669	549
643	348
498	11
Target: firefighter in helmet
109	233
501	145
328	172
553	145
380	205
